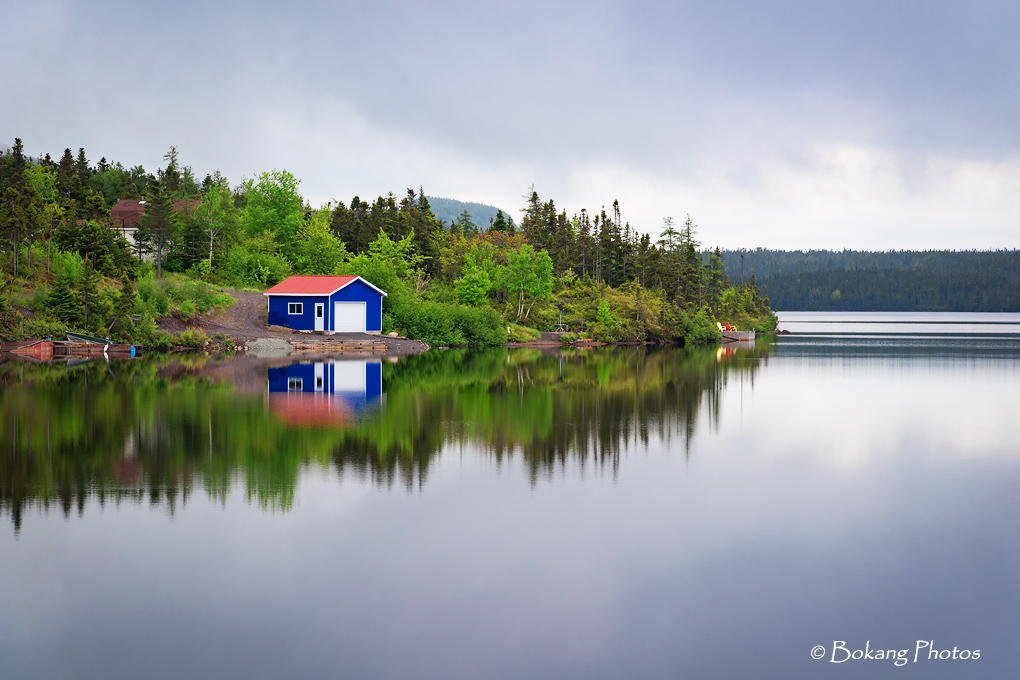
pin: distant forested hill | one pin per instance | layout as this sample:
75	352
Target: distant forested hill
447	210
851	280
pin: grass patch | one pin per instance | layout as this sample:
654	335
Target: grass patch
522	334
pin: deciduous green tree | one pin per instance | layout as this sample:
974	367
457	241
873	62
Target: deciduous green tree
318	250
473	287
273	204
526	278
216	214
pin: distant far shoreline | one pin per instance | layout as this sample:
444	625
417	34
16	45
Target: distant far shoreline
891	281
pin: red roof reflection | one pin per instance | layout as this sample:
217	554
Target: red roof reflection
310	410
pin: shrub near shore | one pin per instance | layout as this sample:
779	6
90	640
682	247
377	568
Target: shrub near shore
81	300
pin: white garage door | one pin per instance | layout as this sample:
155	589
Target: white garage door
349	317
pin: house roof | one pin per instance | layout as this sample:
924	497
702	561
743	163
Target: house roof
127	212
315	285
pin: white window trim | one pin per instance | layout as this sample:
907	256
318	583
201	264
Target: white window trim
300	306
295	384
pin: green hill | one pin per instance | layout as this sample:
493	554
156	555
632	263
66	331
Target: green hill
447	210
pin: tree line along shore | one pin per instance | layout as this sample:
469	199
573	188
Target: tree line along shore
893	281
68	264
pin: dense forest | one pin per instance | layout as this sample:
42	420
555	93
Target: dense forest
70	264
904	281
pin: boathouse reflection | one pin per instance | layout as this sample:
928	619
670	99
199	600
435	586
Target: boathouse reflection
325	393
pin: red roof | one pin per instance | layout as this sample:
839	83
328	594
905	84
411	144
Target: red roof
127	212
313	285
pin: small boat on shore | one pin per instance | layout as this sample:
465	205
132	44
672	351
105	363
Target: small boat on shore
81	339
79	344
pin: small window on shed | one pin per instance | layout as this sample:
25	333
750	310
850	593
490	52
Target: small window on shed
295	384
295	308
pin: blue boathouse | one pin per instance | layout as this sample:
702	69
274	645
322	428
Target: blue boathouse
332	304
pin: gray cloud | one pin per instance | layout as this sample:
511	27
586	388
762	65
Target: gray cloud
897	115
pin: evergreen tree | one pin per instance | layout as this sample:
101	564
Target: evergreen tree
159	223
416	217
88	290
21	207
171	177
499	224
65	176
62	301
715	279
585	242
80	180
91	239
532	225
465	224
122	310
689	283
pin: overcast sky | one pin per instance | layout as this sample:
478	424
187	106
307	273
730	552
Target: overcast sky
866	125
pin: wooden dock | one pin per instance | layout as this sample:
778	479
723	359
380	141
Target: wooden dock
338	345
79	349
737	336
46	349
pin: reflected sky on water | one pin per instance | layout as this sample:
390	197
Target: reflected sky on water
609	513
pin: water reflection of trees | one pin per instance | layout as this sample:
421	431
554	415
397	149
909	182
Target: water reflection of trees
149	432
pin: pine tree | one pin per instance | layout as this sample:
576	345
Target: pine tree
61	301
159	223
80	189
122	309
466	225
532	225
20	204
499	224
585	242
715	279
65	175
171	177
88	290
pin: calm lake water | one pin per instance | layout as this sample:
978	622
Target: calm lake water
604	513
